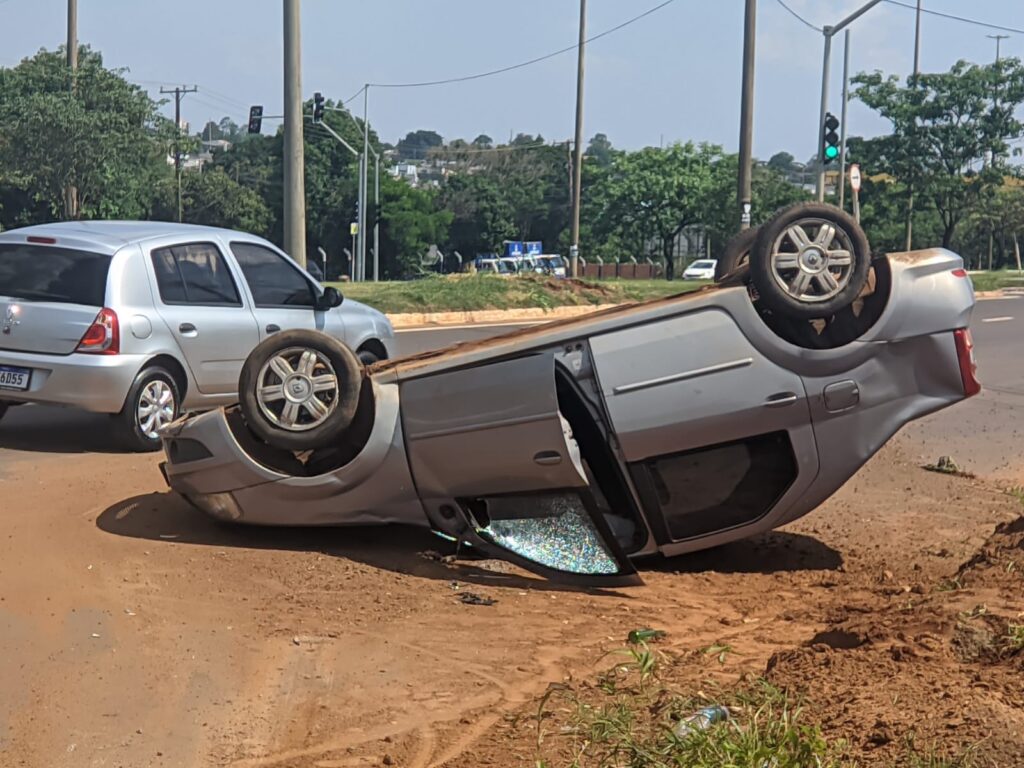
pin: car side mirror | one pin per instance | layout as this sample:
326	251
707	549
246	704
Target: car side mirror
329	299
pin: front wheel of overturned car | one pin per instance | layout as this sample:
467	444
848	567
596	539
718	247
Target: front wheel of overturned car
810	261
299	390
153	402
736	254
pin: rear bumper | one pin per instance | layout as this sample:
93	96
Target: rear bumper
97	383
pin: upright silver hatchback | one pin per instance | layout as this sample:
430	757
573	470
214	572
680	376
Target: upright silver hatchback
145	320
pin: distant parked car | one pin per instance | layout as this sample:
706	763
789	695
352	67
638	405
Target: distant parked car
702	269
146	320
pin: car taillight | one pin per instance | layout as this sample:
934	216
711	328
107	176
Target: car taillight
960	273
103	336
968	364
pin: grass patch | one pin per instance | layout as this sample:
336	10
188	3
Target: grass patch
466	293
993	281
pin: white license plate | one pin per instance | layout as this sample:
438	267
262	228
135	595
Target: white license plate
15	378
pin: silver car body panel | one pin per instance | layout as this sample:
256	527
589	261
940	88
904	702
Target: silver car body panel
209	358
671	375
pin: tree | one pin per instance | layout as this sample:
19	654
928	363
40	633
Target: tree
782	162
417	144
600	150
212	198
410	223
654	194
483	141
949	130
106	139
482	216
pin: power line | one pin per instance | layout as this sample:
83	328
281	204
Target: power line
521	65
799	18
954	17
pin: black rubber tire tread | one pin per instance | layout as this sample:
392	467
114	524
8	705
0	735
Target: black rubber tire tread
736	254
761	271
131	435
368	358
350	374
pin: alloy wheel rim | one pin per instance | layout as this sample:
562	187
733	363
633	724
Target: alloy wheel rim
156	408
297	389
812	260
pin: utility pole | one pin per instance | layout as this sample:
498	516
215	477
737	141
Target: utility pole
376	224
364	183
846	104
999	39
294	156
179	93
744	193
829	33
577	166
70	192
909	245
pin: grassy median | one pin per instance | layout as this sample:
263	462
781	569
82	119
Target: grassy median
465	293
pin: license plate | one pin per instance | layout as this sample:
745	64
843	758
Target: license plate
15	378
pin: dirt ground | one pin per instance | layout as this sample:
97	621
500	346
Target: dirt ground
136	632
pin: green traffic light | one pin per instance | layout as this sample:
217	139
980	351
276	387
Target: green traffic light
831	153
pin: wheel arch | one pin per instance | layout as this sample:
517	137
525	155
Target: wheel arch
374	346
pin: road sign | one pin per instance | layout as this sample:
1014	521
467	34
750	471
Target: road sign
353	229
855	178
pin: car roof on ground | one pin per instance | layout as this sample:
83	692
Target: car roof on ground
109	236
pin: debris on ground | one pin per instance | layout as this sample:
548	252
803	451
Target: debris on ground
946	466
638	636
472	598
437	557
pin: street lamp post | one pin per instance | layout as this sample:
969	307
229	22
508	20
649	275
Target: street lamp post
829	33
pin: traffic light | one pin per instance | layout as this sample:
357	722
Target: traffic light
377	211
318	107
255	119
830	148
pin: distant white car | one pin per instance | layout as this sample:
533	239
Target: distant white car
703	269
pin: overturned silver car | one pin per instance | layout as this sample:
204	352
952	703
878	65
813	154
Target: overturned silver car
575	447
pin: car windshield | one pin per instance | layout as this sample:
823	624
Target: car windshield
702	265
505	268
44	273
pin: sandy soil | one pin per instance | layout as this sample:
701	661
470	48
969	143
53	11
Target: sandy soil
136	632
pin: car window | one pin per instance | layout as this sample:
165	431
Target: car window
45	273
194	273
702	265
274	282
720	486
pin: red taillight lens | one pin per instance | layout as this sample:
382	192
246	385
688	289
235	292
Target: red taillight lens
42	240
103	336
968	364
959	273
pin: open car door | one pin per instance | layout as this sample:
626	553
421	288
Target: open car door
496	467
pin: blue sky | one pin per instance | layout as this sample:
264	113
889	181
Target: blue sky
672	76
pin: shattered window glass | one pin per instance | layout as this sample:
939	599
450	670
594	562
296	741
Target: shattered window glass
555	531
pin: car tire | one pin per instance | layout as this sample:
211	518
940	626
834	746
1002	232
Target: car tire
810	261
280	390
4	407
368	358
153	401
736	254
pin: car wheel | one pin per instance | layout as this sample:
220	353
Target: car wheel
736	254
153	402
810	261
368	358
299	390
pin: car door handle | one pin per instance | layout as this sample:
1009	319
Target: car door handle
781	400
188	328
548	458
273	328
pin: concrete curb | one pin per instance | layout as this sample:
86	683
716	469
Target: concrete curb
491	316
402	321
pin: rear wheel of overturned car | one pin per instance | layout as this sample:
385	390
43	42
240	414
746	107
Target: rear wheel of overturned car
810	261
153	402
299	390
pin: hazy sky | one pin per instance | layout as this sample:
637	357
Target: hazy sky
672	76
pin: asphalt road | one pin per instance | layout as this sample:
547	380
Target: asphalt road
983	434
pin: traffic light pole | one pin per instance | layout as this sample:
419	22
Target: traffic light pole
829	33
846	103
